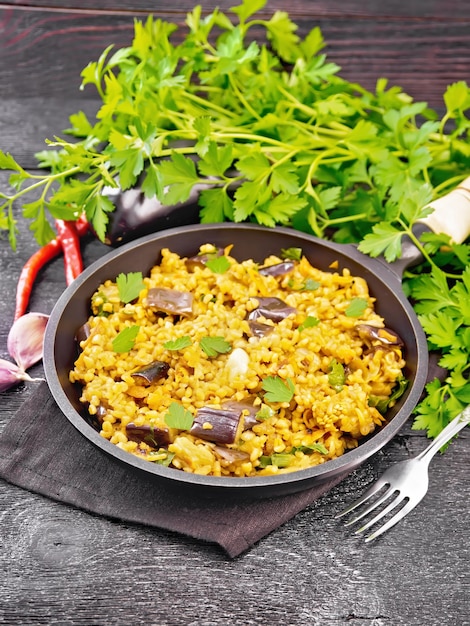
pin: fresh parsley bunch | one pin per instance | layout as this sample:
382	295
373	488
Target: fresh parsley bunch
247	108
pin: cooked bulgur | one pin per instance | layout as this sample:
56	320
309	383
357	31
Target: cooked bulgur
235	368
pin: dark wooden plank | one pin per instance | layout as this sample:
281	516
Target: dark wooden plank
51	48
62	566
393	9
43	53
65	566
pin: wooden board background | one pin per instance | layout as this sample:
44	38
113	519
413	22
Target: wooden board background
61	566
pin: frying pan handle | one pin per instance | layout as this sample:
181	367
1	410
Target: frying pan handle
451	214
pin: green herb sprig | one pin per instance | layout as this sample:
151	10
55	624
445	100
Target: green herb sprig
178	417
129	285
269	125
278	389
275	135
125	340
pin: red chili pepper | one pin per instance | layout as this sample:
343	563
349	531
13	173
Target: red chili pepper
70	241
30	271
82	225
35	263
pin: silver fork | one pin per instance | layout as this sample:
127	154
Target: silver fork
405	482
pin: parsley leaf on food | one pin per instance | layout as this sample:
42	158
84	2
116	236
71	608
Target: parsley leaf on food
213	346
125	340
292	254
178	344
160	457
178	417
265	413
218	264
336	376
313	447
238	128
382	404
356	307
277	389
130	285
309	322
279	459
310	285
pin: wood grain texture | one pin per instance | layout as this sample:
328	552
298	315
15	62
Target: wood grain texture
61	566
43	51
394	9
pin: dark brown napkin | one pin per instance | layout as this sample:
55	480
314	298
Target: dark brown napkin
42	452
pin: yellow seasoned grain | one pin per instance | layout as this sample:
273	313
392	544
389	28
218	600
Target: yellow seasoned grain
321	421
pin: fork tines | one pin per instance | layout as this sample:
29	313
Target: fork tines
390	495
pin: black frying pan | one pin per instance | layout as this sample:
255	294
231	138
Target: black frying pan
249	241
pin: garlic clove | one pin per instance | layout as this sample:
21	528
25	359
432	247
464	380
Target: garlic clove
25	339
10	374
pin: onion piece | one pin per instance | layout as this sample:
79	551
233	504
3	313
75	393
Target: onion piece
237	363
25	339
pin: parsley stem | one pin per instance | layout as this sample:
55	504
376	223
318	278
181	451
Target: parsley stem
323	156
207	104
344	220
448	184
251	137
43	180
242	98
408	231
287	157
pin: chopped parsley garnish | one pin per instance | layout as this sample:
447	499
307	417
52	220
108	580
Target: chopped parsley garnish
382	404
160	457
178	344
218	264
310	285
125	340
130	285
281	459
356	307
178	417
291	254
265	413
278	390
213	346
98	301
284	459
309	322
337	376
310	449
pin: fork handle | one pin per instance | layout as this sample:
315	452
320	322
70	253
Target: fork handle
447	434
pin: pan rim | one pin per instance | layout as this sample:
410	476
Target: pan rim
302	479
